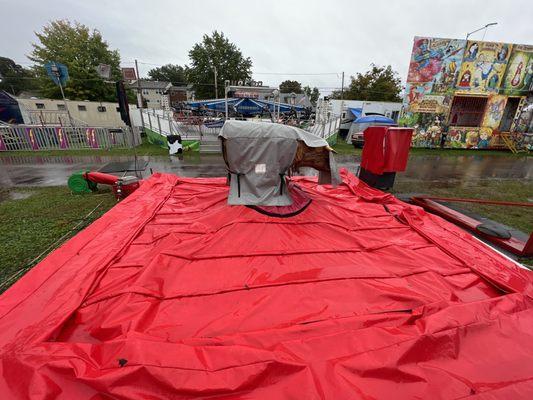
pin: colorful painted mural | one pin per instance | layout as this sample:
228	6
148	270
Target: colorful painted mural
442	69
420	99
483	66
432	73
437	61
494	111
519	74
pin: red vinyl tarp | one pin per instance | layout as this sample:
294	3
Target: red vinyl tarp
173	294
386	149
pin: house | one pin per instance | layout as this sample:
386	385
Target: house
152	93
178	94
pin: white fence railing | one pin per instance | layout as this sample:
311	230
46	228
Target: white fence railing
162	122
193	129
31	137
325	128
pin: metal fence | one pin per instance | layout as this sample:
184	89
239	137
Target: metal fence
31	137
193	129
325	128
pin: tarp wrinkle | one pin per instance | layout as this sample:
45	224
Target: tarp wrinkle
174	294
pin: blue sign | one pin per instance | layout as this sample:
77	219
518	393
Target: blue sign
57	72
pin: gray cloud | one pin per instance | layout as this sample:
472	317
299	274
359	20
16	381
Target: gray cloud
279	36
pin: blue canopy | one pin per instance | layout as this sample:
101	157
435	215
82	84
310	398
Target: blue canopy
375	119
356	112
246	106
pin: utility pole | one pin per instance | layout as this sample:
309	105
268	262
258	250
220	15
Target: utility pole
226	88
342	86
216	81
139	94
57	74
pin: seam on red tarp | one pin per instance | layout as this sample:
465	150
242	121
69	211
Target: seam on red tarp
120	252
277	252
248	287
90	288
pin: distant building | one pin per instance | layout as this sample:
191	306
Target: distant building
38	111
297	99
178	94
152	93
162	95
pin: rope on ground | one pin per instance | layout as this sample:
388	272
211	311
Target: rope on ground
17	274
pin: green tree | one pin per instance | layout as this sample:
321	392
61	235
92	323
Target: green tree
290	87
81	50
14	78
176	74
312	94
216	51
377	84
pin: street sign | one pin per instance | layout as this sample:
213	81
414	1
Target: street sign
129	74
104	71
57	72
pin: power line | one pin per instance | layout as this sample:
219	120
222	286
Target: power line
297	73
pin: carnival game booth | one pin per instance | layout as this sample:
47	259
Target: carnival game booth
480	92
176	293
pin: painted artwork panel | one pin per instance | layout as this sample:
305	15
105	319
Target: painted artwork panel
494	111
519	74
483	66
436	60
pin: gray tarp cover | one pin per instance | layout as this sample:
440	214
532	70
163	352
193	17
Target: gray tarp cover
258	156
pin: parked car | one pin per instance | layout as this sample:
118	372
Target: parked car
356	135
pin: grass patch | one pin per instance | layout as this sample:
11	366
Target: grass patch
520	218
344	148
31	224
503	190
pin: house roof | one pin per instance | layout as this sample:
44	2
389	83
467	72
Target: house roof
147	84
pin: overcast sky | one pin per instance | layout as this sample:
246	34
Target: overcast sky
296	37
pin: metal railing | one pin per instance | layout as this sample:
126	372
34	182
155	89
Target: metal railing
199	128
52	117
35	138
325	128
161	122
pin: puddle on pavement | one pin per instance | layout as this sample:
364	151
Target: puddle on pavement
55	171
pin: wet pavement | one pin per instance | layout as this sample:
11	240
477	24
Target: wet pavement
54	171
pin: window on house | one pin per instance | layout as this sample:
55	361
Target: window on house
82	107
101	109
39	106
467	111
61	107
